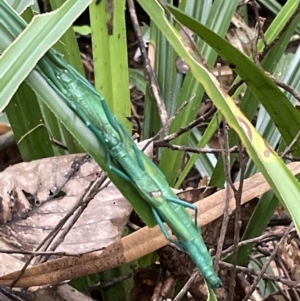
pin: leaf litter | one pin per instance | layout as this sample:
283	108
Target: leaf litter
35	196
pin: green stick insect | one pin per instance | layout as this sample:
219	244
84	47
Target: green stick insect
126	160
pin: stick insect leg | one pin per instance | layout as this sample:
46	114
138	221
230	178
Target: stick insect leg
137	152
113	123
138	156
163	228
186	205
109	117
119	172
57	59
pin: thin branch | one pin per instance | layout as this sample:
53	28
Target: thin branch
237	221
234	87
291	145
258	33
34	253
77	210
196	150
285	86
186	287
260	239
185	128
182	106
267	48
259	21
281	267
279	35
223	141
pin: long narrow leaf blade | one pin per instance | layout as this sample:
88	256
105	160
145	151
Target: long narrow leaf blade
37	46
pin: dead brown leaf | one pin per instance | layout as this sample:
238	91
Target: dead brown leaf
35	196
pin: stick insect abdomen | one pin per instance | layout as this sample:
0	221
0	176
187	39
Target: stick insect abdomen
192	242
201	257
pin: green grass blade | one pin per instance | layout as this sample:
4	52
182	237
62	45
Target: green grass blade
268	202
138	79
110	56
276	8
152	123
35	143
67	45
15	24
21	5
24	112
64	17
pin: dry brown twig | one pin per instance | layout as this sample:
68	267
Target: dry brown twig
186	287
224	142
164	141
237	220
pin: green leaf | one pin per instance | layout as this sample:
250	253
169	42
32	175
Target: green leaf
210	130
110	56
138	79
35	143
250	102
21	5
83	30
54	24
276	8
